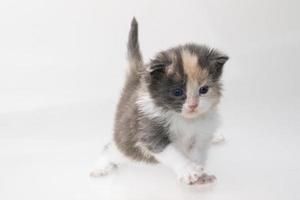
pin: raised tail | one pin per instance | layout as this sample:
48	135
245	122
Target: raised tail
133	50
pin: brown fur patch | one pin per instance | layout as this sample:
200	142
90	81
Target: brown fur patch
171	69
192	68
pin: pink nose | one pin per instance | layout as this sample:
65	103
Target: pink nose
193	106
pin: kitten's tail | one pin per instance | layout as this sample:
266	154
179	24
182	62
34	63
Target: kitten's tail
133	50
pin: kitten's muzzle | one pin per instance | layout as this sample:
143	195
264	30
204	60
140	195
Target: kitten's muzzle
192	107
192	103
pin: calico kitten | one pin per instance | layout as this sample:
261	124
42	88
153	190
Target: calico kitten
167	111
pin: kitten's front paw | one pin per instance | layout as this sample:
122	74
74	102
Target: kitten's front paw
219	138
190	173
206	179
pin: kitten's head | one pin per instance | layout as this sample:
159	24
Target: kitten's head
186	79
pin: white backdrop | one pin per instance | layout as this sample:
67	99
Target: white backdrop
62	66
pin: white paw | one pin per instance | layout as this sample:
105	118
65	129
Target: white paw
206	179
103	170
190	173
218	139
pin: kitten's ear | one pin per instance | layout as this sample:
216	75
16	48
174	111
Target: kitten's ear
159	63
153	67
217	61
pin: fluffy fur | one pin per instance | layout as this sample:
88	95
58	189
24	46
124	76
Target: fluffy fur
167	112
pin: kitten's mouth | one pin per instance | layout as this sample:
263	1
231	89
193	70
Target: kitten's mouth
192	111
189	114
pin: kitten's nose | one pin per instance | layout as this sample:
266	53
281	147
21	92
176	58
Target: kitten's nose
193	106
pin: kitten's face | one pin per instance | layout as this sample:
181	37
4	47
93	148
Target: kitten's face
186	79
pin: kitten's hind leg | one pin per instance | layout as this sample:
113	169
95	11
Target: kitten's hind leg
108	161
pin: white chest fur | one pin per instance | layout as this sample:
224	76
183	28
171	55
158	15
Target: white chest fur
188	133
184	133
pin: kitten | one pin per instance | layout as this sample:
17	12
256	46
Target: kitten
167	111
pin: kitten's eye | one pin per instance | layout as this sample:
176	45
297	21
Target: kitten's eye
178	92
203	90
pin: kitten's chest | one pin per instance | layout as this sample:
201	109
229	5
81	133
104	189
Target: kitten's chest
181	129
186	132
